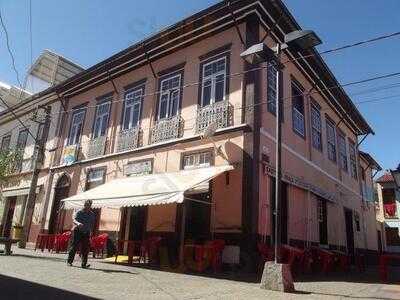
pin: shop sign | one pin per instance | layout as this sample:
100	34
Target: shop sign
137	168
300	183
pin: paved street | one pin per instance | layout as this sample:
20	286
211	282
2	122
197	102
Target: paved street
46	276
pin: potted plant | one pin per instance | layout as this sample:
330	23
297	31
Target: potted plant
17	231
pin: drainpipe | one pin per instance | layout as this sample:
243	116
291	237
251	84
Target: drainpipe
309	122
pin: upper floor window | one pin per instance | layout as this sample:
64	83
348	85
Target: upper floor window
132	108
272	88
213	82
197	160
342	152
353	159
78	117
331	140
101	118
170	94
5	143
22	139
95	178
298	110
316	127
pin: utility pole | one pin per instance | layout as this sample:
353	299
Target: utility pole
38	159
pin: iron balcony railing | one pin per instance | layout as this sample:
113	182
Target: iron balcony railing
96	147
218	113
128	139
166	129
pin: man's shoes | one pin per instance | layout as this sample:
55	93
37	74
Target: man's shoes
69	264
85	266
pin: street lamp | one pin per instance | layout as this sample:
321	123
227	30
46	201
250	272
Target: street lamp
297	40
396	176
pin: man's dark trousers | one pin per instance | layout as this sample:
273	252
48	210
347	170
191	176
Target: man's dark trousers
79	238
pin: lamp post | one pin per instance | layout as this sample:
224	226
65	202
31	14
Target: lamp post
256	54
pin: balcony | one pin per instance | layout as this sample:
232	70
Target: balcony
96	147
128	139
218	113
166	129
390	210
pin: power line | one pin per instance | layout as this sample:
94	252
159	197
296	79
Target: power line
9	50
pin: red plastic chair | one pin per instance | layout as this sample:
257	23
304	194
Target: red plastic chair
98	243
61	242
217	247
266	254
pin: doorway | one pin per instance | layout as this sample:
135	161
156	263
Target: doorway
284	211
380	248
323	221
348	215
12	201
57	215
137	223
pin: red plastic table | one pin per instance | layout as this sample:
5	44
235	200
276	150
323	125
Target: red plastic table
383	264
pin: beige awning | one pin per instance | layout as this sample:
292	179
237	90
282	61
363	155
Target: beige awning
154	189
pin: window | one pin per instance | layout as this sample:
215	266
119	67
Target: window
101	119
342	152
298	110
78	116
331	140
322	221
213	82
132	108
197	160
169	97
22	138
95	178
5	143
316	127
272	88
353	160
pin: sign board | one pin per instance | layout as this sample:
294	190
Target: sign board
137	168
69	154
299	182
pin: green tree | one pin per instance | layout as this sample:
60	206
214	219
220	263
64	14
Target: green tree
8	161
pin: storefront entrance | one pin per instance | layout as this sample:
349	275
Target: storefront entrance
57	216
9	216
137	223
348	215
198	215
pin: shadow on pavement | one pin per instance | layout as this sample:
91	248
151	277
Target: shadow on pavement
13	288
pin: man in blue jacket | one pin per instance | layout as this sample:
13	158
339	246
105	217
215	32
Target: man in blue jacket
84	221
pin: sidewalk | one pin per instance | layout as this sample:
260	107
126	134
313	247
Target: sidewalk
36	275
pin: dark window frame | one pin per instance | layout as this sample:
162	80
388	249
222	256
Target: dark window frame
315	107
296	85
5	138
330	123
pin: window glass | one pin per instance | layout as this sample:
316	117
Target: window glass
331	140
353	160
316	127
298	110
214	82
101	119
133	102
5	143
197	160
22	138
77	119
342	152
95	178
169	97
272	88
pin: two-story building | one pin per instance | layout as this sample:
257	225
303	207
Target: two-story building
175	137
388	213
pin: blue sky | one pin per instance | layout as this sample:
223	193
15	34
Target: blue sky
89	31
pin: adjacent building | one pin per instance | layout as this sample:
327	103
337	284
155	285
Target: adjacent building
388	213
140	116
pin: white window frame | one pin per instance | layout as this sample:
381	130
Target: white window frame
353	159
213	78
316	128
101	117
97	175
169	92
138	101
196	160
76	138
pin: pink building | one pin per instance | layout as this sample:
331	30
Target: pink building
143	111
